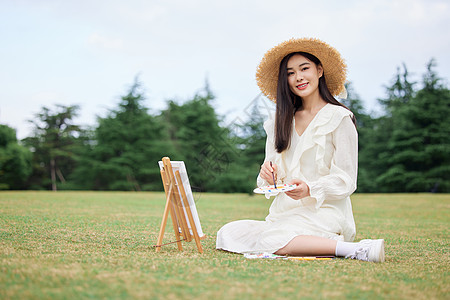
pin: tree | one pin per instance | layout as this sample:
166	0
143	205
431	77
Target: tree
399	93
368	141
52	145
199	140
248	139
417	150
125	148
15	160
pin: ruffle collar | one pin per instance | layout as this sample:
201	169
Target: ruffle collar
325	122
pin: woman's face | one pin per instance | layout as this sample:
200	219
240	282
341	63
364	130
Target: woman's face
303	76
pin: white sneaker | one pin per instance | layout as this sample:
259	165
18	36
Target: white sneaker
369	250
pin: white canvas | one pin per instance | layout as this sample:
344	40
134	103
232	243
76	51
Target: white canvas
179	166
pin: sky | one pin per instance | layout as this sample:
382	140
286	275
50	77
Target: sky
88	52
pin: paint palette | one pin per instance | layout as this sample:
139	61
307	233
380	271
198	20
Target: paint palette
270	190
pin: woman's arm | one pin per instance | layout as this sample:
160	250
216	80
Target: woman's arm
341	181
263	178
265	175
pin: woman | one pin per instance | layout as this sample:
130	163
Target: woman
312	143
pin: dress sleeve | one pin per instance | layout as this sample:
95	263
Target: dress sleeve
341	180
271	154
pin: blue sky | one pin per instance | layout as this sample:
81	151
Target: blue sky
88	52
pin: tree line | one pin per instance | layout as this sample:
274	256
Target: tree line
402	148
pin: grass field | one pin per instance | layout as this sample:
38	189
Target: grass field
78	245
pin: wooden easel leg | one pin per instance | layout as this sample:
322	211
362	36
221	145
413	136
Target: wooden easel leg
178	206
189	214
176	226
163	227
176	199
168	208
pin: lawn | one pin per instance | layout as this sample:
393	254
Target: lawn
77	245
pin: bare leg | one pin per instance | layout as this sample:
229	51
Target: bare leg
307	245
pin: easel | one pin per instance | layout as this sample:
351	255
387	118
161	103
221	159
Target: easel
178	206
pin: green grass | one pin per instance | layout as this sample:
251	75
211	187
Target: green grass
76	245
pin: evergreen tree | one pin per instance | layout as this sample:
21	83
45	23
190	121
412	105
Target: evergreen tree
254	140
199	140
354	103
378	153
127	146
15	160
399	93
368	145
417	150
52	145
248	140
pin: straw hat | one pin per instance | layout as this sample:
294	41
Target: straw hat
334	67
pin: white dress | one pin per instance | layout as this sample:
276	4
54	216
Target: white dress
325	156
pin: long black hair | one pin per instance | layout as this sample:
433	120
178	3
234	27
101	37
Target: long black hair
288	103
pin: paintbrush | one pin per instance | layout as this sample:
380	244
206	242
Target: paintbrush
311	258
273	177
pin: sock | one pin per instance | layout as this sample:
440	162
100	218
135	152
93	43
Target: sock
345	248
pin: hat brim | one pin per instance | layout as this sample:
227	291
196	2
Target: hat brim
333	64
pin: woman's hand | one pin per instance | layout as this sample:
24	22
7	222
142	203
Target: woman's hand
301	191
266	171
